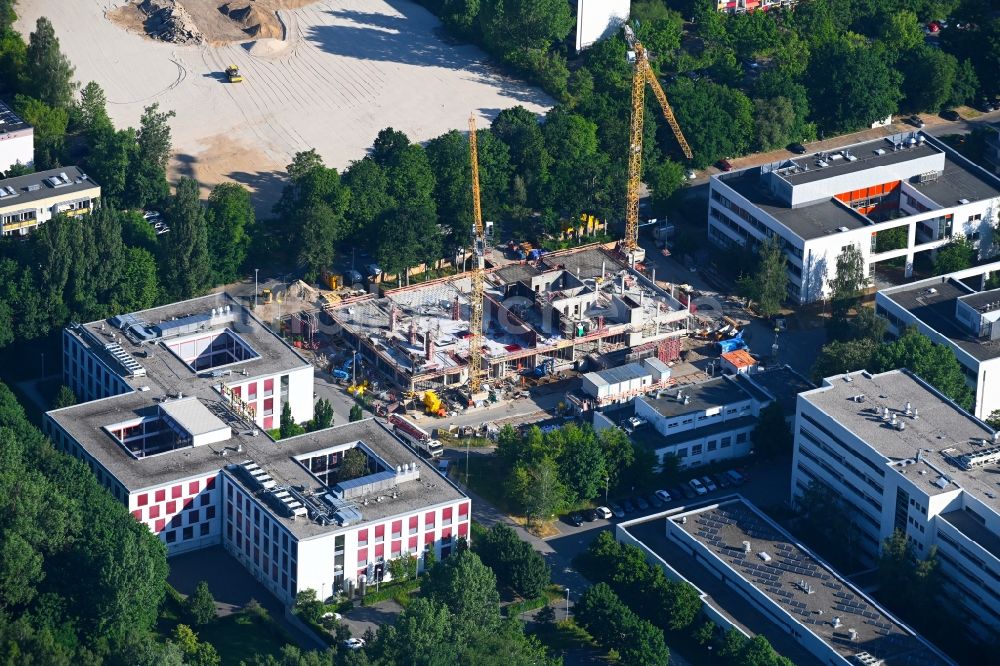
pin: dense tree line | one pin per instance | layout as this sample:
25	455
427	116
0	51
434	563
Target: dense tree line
80	580
516	564
545	473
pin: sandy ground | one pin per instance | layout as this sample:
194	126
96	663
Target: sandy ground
347	69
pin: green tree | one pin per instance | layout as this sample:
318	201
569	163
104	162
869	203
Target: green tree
539	489
581	461
847	286
308	606
514	561
519	130
618	452
839	357
448	156
230	219
112	155
286	424
900	33
48	73
422	635
49	126
776	121
866	325
510	26
851	85
929	78
659	28
717	121
663	178
357	413
403	567
468	588
196	653
370	198
827	524
64	398
200	605
147	174
93	111
354	465
767	287
188	264
322	415
771	437
935	364
705	633
957	255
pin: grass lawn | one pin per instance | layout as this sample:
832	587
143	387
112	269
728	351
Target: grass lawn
237	637
485	476
240	636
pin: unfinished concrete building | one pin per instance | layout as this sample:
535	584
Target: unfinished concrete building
548	314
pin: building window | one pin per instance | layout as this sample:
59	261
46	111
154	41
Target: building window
726	441
209	512
171	536
429	520
696	450
379	533
362	537
268	387
397	529
711	445
193	516
252	391
203	529
682	453
741	437
205	499
188	533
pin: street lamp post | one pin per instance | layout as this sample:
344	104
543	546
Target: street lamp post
354	367
567	604
256	290
607	479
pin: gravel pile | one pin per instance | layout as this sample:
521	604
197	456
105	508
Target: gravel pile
168	21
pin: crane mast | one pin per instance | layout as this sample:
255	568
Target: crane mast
478	269
641	75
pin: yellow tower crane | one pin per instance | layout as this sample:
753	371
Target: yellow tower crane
478	269
642	74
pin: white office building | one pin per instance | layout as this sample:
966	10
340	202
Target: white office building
17	140
903	457
714	420
862	195
956	310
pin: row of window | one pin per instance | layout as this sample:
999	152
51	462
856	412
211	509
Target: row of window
763	229
261	540
826	431
712	445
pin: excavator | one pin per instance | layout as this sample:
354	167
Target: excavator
233	74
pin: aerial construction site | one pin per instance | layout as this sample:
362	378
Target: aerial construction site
538	318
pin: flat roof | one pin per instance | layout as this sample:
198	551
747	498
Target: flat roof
651	439
193	416
165	373
959	181
782	384
807	589
934	441
984	301
866	156
815	220
622	373
10	121
932	302
704	395
740	358
37	186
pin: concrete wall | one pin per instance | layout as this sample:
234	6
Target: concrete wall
17	147
598	19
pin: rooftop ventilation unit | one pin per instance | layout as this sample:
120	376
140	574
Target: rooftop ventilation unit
980	458
880	151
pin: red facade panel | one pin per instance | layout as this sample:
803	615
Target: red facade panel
161	495
193	488
463	529
176	491
142	500
160	524
137	514
463	509
362	555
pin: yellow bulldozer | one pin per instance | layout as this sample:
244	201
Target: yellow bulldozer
233	74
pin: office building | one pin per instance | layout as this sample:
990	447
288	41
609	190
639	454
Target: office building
958	310
17	140
901	456
29	201
893	199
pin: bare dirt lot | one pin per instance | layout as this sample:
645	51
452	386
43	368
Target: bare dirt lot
345	70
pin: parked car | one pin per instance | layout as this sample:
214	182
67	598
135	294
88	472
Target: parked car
736	477
336	616
724	165
604	513
443	466
916	121
354	643
352	277
688	491
372	271
627	506
589	515
722	480
697	486
709	484
664	496
691	174
797	148
574	519
632	423
950	114
642	504
677	492
654	501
